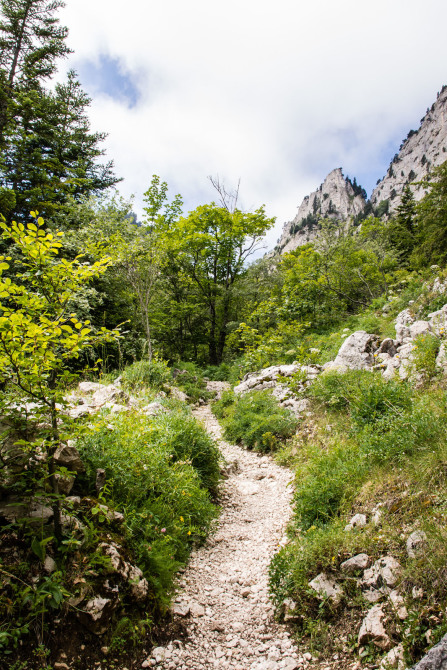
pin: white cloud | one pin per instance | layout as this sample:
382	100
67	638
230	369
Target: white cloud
276	93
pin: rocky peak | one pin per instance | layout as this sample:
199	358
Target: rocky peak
419	153
337	198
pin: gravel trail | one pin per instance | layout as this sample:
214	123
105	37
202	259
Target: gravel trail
223	595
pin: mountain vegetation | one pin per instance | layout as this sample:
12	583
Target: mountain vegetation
106	485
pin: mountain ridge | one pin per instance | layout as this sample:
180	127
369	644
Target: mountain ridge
341	199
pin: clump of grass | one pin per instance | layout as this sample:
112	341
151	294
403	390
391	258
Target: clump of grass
255	420
191	381
386	448
426	348
160	471
144	373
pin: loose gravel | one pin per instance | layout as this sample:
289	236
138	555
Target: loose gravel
223	595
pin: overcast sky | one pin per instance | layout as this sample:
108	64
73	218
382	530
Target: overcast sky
274	93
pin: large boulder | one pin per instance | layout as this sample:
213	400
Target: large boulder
107	394
438	321
67	456
436	659
356	352
403	322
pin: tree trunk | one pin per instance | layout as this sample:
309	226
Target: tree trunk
55	443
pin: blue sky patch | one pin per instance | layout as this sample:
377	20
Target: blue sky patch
108	76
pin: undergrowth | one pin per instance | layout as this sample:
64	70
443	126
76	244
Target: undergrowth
384	456
255	420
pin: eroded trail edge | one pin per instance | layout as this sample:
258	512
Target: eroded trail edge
223	595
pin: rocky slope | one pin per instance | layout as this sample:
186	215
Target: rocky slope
340	199
420	152
336	198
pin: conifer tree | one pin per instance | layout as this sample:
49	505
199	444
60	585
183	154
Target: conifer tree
31	42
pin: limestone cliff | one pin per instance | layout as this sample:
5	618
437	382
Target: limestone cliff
337	198
420	152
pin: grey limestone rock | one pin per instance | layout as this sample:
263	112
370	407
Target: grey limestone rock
89	387
107	394
441	359
67	456
335	198
96	614
373	630
436	659
153	409
393	659
357	351
326	587
357	521
420	152
403	322
416	543
419	328
352	565
385	572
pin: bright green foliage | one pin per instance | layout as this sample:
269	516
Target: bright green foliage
138	253
157	470
261	350
190	380
326	483
426	348
40	335
212	246
153	374
257	421
386	445
367	396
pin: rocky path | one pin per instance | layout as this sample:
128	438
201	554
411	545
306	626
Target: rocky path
223	595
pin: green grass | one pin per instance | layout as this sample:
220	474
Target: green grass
160	471
386	447
255	420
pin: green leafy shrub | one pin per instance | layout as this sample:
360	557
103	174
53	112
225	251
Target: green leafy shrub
258	422
401	434
222	407
187	441
143	373
426	348
367	395
191	381
156	470
326	482
218	373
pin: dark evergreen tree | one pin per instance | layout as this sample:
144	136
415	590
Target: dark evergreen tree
52	154
31	42
401	228
431	220
48	152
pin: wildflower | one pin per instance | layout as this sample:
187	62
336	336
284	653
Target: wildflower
181	519
189	532
163	530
